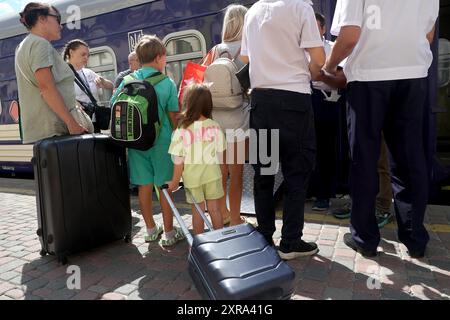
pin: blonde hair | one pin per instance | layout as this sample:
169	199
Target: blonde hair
233	23
149	48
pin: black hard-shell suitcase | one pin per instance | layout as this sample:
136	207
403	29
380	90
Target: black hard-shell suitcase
235	263
82	193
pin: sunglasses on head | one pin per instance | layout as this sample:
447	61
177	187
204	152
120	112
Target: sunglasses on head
57	16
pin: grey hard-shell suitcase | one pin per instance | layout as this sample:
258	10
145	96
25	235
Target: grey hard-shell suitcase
82	193
235	263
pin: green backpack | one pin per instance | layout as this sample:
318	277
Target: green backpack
135	120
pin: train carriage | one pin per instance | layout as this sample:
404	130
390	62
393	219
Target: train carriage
188	29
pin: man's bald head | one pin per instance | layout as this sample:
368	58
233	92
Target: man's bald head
133	61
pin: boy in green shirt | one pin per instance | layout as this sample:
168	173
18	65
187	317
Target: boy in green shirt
154	166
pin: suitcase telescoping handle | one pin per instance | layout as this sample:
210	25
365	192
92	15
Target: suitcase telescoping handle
164	189
177	215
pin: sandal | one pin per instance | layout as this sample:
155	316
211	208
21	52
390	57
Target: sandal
245	220
227	220
179	235
155	235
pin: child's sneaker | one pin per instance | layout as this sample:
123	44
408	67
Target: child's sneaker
168	242
343	212
154	235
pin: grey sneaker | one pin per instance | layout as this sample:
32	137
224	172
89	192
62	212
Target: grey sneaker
344	212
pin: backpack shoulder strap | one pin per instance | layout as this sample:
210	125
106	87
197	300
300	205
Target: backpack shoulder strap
156	78
129	78
228	55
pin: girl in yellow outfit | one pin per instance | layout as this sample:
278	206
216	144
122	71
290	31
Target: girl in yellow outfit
196	149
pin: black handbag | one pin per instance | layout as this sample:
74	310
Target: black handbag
102	117
243	76
88	107
102	114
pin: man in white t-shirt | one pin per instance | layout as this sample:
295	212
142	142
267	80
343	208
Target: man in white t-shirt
388	48
277	36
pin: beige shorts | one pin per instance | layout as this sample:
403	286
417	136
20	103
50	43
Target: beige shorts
209	191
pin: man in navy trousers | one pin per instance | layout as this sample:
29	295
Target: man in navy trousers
388	48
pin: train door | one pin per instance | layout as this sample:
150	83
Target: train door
442	105
102	60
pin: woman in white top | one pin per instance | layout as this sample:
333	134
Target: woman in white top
76	53
233	121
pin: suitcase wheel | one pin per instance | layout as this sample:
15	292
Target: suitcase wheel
43	253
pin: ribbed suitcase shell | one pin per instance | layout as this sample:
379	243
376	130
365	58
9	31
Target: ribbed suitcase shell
82	193
237	263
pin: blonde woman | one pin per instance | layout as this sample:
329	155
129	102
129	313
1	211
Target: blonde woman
234	121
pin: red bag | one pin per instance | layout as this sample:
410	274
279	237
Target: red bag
194	72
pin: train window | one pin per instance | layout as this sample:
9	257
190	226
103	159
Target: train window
103	61
444	63
184	46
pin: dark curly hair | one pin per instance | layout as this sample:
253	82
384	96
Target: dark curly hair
32	11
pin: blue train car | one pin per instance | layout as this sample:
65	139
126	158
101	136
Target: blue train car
188	28
111	28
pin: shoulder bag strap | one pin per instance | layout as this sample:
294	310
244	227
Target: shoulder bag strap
80	83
